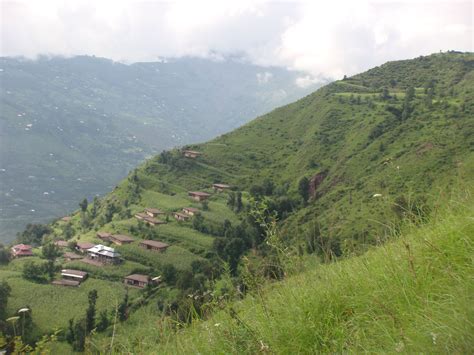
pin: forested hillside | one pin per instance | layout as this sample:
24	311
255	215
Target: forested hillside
73	127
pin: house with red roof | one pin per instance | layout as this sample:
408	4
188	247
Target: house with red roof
21	250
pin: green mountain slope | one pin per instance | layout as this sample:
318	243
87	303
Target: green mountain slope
342	167
411	295
352	144
73	127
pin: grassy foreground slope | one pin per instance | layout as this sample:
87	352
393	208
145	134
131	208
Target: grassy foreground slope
413	295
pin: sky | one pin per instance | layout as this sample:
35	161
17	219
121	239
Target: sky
323	38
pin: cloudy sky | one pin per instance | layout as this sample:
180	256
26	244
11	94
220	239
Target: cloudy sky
330	38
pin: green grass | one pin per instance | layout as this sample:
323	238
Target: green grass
53	306
413	295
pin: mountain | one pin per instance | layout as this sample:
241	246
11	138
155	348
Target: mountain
73	127
371	147
329	177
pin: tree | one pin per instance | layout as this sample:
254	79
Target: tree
79	341
185	280
238	202
385	95
33	234
50	251
90	313
109	212
103	322
33	271
95	207
5	255
5	291
83	205
68	231
123	308
410	93
198	223
268	186
70	332
303	188
231	199
169	274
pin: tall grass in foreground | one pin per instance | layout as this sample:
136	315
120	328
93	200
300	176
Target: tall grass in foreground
415	294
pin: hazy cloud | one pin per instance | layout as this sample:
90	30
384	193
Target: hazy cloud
329	38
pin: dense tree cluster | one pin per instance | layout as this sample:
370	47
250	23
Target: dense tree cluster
33	234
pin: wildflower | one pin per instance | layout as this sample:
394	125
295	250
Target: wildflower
263	347
433	337
217	325
377	195
400	346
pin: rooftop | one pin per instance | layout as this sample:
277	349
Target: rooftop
199	193
122	238
138	277
154	210
104	250
23	247
61	243
191	209
66	283
69	255
74	273
84	245
224	186
155	244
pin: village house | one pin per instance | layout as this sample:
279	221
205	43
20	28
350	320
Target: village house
120	239
181	216
153	221
63	282
66	219
22	250
191	211
104	254
153	212
61	243
74	275
139	280
220	187
105	236
71	256
198	195
83	247
191	154
154	245
141	216
145	217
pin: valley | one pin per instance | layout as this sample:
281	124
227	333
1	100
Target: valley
73	127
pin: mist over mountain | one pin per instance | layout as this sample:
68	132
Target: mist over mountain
72	127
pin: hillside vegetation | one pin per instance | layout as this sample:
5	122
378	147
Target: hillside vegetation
352	140
411	295
324	179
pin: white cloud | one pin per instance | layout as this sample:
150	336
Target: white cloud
328	38
307	80
263	78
